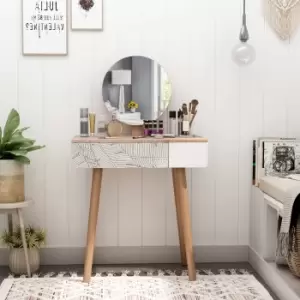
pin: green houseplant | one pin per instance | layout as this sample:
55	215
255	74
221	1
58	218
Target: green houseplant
35	239
14	148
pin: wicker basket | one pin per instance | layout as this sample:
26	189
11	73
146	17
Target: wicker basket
294	257
11	181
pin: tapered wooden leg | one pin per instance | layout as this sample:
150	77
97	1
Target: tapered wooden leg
22	228
179	218
93	216
186	220
10	223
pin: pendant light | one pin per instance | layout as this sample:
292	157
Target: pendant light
243	53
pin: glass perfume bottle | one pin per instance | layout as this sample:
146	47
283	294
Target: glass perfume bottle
101	126
114	127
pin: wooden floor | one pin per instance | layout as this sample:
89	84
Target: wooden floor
4	271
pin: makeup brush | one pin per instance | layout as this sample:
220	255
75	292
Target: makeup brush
193	117
184	109
190	111
194	104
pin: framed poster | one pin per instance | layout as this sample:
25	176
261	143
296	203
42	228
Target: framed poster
44	27
87	14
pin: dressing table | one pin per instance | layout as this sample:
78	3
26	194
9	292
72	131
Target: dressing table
175	153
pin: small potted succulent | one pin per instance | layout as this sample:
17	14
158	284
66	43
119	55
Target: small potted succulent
14	148
35	239
132	106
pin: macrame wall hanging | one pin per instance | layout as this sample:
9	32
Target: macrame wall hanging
283	16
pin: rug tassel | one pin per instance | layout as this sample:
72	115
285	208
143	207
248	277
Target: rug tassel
244	272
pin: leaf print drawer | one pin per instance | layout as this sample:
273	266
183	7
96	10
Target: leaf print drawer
120	155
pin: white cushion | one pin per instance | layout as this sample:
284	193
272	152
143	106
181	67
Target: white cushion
280	188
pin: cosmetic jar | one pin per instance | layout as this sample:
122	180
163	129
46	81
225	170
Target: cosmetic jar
161	127
84	122
146	127
155	127
150	127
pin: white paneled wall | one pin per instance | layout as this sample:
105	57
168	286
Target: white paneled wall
193	40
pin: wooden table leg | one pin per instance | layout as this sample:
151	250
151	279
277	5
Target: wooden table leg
92	225
22	228
186	220
10	223
179	218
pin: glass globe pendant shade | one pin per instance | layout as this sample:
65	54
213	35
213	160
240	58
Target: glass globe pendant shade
243	54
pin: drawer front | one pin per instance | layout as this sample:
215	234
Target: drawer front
188	155
125	155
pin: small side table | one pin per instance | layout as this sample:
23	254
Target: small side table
10	208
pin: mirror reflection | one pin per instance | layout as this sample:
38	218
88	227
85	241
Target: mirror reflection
137	88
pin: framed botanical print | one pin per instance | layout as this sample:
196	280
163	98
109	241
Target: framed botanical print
87	14
44	27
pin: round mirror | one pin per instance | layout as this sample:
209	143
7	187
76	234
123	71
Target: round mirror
137	88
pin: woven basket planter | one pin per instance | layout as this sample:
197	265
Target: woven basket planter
11	181
294	257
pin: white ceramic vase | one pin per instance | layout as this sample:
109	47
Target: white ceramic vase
17	262
11	181
132	109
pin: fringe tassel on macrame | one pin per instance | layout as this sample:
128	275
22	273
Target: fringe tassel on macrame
139	273
283	16
283	245
287	243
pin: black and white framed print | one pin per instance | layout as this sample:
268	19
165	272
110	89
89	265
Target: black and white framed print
87	14
44	27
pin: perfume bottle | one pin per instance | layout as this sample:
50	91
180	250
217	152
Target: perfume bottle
114	127
101	126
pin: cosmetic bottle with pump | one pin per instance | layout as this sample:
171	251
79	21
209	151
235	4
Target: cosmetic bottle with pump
172	122
84	122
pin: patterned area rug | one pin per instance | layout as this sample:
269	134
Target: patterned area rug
136	285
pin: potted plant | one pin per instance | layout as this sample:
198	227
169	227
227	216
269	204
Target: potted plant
35	239
132	106
14	148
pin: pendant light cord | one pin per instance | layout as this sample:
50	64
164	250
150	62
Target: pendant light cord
244	34
244	12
